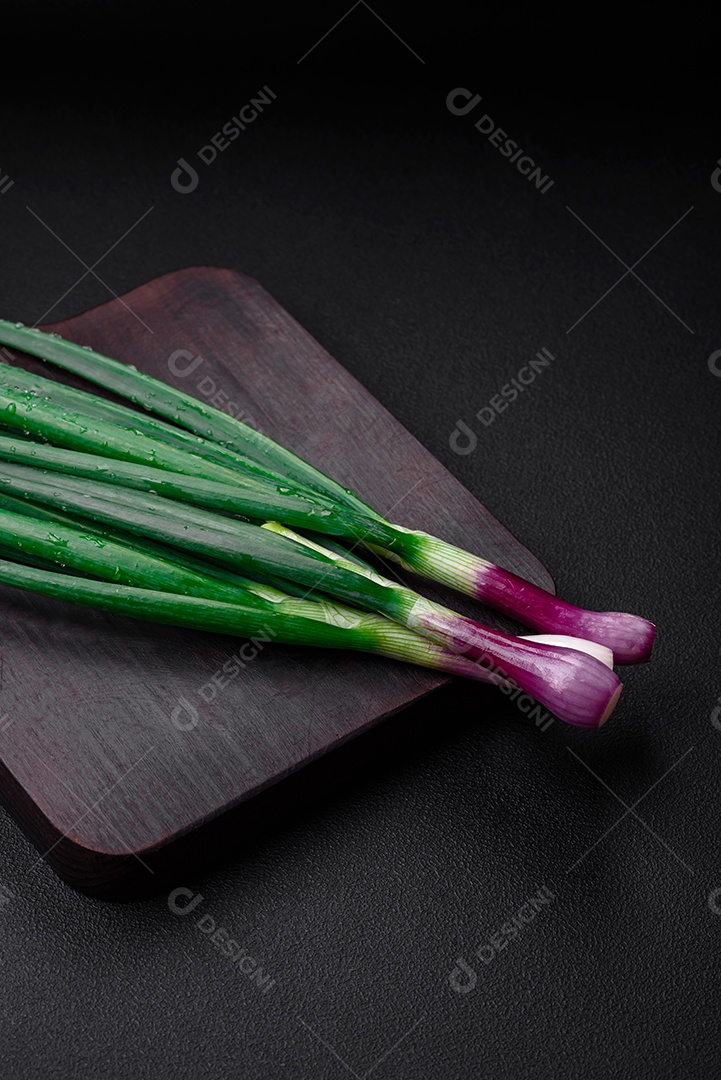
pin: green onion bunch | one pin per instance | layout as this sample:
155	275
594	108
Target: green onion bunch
169	510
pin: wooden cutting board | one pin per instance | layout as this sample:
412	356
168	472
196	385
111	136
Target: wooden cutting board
126	749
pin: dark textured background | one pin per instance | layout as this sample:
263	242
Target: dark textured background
428	266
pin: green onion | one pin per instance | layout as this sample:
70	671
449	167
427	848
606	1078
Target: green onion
46	546
628	636
331	627
575	685
149	547
145	565
256	499
23	411
91	406
183	409
74	548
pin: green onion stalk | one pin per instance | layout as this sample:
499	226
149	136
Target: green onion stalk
350	630
628	636
119	578
577	686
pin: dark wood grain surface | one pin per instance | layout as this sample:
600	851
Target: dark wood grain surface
119	750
